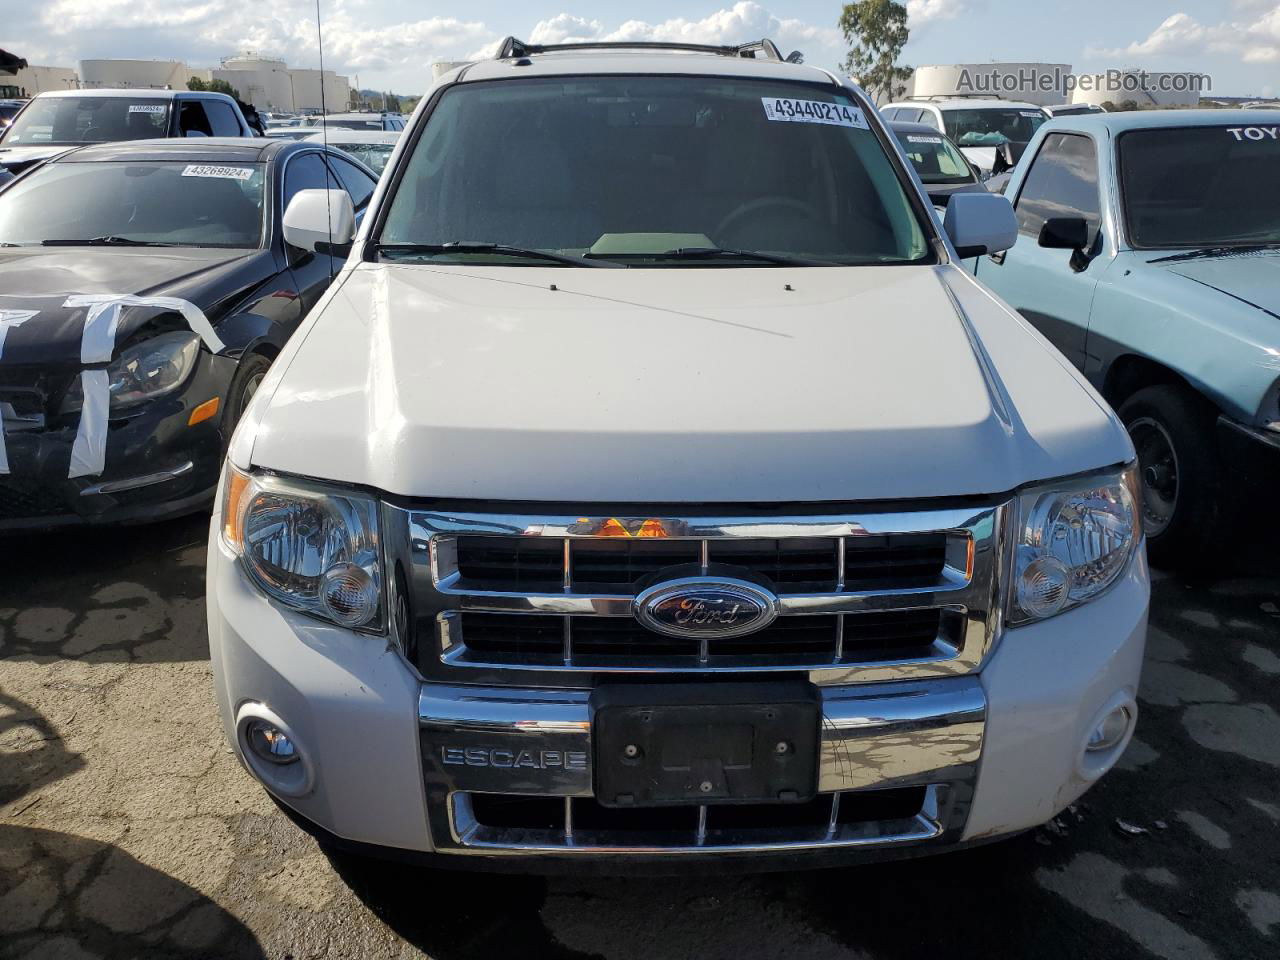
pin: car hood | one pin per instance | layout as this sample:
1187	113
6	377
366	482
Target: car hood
19	158
41	279
677	385
1253	278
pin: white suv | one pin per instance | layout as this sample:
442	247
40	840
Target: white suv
991	133
653	483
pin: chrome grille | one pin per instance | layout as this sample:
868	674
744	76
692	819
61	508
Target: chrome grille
580	825
863	596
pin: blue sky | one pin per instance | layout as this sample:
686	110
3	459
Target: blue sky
391	44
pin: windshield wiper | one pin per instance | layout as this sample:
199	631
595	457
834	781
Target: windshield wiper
106	242
467	246
719	253
1219	251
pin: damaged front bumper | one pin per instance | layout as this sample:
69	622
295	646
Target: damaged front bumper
158	464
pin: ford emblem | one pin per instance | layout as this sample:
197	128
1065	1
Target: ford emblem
705	607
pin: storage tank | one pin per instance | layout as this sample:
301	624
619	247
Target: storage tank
306	90
1038	83
1143	88
261	81
149	74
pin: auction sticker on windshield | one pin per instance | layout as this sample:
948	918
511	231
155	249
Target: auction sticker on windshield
215	170
915	139
147	108
812	111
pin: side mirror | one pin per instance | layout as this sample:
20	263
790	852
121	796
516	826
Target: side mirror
320	221
980	223
1065	233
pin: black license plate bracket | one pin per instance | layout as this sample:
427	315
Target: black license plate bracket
705	743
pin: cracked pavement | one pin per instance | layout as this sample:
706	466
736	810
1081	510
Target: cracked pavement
127	828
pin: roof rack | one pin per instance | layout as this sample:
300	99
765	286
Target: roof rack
511	47
956	96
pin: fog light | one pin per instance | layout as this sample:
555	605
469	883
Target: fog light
348	594
270	743
1043	586
1110	731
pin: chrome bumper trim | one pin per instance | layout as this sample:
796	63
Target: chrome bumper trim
475	838
538	743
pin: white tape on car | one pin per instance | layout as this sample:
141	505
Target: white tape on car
89	451
97	345
194	316
8	320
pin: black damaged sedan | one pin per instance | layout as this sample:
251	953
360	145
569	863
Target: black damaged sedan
145	288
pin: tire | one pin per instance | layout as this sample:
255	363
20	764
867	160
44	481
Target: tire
249	373
1174	431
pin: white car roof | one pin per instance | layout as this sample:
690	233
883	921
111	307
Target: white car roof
343	135
141	93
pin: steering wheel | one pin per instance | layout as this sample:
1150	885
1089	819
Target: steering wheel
763	203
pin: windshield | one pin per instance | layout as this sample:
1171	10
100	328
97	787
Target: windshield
1201	186
642	169
372	155
179	204
71	120
936	159
992	126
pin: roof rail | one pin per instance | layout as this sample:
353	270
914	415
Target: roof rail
511	47
956	96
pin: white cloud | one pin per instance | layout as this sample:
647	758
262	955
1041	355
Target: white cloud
566	28
920	12
1255	40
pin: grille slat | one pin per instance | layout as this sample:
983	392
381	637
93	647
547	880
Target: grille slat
538	639
793	565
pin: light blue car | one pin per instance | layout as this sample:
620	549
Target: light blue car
1149	254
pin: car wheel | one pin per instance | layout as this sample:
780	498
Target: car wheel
250	373
1173	432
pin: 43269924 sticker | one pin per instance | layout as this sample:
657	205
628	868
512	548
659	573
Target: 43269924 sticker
787	110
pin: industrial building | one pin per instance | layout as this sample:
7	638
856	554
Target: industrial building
267	83
32	80
1038	83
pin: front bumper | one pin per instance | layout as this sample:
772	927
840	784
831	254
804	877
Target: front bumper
391	761
156	465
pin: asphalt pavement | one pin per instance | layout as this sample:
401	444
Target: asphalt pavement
127	829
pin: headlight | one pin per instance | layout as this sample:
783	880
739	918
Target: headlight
312	547
1073	540
144	371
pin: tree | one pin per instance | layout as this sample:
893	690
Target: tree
877	31
213	86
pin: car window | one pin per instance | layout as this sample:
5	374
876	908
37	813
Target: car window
372	155
931	118
909	115
192	119
1201	186
71	120
171	203
1062	182
992	126
936	159
355	181
636	168
222	118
